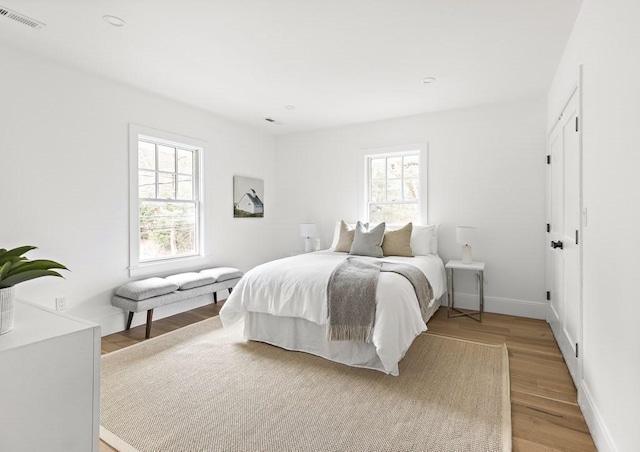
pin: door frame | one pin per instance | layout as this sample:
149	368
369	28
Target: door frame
565	346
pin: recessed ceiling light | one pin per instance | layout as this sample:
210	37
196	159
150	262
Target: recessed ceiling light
427	80
115	21
290	107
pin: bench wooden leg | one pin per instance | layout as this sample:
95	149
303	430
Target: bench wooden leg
215	297
230	290
147	333
129	320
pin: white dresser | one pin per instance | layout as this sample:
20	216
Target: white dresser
49	382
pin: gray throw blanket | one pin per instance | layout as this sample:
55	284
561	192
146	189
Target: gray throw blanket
351	296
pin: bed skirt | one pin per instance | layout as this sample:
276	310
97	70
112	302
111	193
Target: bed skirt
301	335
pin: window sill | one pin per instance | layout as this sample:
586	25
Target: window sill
173	265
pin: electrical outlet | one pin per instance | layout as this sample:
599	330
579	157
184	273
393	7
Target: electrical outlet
61	303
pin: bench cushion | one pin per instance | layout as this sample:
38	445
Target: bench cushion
190	280
222	273
154	302
146	288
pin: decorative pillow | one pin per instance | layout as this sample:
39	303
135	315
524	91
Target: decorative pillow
434	239
345	237
336	235
146	288
398	242
424	240
368	243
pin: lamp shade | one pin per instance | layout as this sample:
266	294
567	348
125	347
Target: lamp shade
308	230
466	235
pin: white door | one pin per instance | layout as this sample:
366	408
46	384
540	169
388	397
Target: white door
564	239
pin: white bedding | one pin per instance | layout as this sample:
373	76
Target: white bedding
296	287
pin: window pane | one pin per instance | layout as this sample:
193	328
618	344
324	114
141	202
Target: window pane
185	161
394	167
378	168
394	190
403	213
147	184
185	187
393	213
166	159
146	155
166	186
377	191
411	190
411	166
166	229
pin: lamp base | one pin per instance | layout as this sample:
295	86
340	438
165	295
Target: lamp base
307	245
466	255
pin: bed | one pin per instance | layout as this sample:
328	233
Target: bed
284	303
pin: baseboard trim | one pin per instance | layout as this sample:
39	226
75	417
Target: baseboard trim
519	308
115	323
599	431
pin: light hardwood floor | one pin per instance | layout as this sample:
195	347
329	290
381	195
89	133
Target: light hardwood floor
544	412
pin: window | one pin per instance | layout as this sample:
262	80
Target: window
165	198
393	187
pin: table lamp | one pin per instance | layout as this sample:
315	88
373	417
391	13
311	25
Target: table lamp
465	236
308	230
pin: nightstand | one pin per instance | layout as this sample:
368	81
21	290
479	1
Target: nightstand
478	267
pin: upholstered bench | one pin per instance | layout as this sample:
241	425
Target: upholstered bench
147	294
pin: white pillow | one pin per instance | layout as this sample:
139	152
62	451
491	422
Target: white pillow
424	239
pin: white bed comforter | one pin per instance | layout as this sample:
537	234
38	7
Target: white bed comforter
297	287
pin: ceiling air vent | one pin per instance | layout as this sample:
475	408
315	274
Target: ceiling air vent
29	22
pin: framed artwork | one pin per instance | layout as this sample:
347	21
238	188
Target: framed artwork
248	197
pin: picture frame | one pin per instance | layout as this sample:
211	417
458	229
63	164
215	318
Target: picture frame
248	197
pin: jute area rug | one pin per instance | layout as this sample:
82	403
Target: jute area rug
204	388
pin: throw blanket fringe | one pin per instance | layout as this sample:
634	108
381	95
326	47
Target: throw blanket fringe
351	333
351	296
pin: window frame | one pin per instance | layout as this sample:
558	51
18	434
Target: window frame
396	151
138	267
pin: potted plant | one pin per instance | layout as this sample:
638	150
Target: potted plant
15	269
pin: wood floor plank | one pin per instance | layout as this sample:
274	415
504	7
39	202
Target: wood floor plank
545	416
560	413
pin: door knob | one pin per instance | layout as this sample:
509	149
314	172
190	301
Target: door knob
557	244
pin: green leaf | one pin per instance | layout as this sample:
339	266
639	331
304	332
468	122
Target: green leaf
13	260
19	251
4	269
38	264
26	276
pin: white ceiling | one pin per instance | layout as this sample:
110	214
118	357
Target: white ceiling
338	62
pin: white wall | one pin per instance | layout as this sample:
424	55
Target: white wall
485	168
606	41
64	165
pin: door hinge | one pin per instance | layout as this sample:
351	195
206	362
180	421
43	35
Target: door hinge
576	123
548	295
548	160
577	236
577	350
548	227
